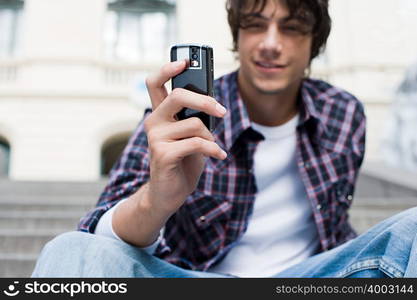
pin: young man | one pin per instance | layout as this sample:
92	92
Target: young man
267	194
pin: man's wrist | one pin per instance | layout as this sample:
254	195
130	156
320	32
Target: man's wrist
147	204
137	221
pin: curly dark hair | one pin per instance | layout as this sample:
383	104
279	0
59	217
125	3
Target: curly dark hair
312	12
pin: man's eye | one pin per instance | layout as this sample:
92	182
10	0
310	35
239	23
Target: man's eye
254	26
291	28
295	28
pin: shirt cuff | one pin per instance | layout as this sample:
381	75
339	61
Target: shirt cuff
105	228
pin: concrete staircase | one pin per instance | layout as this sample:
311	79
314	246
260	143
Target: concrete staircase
31	214
367	212
381	192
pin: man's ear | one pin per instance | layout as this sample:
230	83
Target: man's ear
307	71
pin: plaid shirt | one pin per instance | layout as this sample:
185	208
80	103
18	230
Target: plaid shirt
330	149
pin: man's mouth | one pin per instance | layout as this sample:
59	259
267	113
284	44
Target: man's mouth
269	65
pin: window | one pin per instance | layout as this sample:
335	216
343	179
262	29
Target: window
10	25
4	157
139	30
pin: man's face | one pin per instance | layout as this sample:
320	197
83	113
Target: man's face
274	51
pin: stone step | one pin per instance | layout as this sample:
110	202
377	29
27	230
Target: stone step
375	212
34	220
21	241
42	214
31	224
44	207
13	265
10	187
392	202
363	218
367	212
68	199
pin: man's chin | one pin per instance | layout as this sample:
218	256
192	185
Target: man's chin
274	87
270	90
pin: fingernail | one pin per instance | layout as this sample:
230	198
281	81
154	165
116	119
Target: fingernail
221	109
224	154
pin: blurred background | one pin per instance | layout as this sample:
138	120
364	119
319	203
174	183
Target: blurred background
72	91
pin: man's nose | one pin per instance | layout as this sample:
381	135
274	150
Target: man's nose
272	40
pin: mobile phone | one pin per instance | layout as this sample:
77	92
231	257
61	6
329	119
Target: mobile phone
197	77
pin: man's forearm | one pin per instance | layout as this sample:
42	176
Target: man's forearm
136	221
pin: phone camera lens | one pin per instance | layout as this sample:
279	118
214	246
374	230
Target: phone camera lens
194	50
194	56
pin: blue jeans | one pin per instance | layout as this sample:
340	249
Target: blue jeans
388	249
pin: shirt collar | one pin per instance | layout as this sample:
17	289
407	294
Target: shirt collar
308	109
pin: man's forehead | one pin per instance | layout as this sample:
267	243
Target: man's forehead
266	8
275	9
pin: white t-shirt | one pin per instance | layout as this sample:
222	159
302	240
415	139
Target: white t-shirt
281	231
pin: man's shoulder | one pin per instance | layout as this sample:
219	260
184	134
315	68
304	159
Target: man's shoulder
331	102
324	93
341	113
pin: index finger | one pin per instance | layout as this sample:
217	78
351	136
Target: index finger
156	82
182	98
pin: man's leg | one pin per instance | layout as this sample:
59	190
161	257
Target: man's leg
79	254
389	249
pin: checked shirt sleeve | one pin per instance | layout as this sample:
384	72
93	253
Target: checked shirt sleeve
129	173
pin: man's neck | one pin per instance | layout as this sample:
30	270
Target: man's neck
270	109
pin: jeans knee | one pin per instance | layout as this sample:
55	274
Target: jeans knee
80	254
412	211
67	241
402	233
409	219
91	247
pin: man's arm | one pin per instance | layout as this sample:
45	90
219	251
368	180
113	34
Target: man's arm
177	157
175	160
136	221
105	228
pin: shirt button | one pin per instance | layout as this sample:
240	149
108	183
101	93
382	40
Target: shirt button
350	197
202	219
318	206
